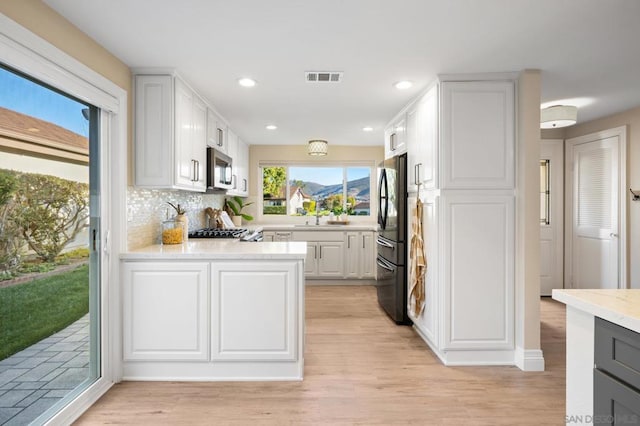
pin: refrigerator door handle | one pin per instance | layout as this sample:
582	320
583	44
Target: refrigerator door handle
382	264
383	243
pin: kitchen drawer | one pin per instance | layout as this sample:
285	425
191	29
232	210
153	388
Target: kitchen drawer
617	351
318	236
614	403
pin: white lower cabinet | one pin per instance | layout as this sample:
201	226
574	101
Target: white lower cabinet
165	311
243	326
324	259
213	320
330	259
469	284
335	254
359	255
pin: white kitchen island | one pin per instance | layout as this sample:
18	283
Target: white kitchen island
603	353
211	310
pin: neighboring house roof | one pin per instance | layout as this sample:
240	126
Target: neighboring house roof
362	205
32	136
292	192
295	189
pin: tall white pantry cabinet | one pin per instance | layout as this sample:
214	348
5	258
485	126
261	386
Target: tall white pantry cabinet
460	141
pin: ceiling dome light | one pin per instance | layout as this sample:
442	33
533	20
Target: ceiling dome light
402	85
558	116
271	127
367	129
247	82
318	147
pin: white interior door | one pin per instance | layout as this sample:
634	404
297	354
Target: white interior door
593	186
551	215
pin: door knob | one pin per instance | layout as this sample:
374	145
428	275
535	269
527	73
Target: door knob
612	235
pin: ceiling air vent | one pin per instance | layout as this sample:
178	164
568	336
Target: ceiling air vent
323	76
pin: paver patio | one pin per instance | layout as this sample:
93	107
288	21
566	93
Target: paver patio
37	377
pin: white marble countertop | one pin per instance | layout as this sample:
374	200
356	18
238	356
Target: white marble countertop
322	227
621	307
212	249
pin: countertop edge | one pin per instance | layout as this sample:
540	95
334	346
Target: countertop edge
599	310
219	250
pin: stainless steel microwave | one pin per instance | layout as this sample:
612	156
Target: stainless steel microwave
219	172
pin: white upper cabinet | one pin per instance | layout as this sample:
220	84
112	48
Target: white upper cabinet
477	135
216	132
170	134
395	142
422	141
239	152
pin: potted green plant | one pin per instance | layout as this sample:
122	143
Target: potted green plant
236	204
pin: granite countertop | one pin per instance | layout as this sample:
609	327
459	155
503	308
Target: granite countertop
212	249
621	307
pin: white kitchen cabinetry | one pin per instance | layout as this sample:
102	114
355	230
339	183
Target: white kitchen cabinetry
325	253
478	135
244	327
395	142
359	255
461	150
276	236
422	141
216	132
477	259
238	150
165	311
170	134
242	168
213	320
324	259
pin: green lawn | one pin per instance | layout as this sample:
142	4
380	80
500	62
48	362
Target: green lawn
31	311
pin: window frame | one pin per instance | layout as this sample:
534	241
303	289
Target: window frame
286	218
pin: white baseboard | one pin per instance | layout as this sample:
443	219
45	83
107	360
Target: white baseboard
529	359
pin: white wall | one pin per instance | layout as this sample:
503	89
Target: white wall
25	163
631	119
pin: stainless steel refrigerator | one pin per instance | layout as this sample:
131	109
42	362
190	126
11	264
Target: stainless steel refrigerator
392	238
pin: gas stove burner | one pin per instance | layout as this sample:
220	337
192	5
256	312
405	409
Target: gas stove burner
218	233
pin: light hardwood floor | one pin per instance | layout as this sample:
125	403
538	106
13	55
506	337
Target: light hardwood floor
360	369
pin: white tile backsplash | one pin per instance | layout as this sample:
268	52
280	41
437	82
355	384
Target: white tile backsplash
147	208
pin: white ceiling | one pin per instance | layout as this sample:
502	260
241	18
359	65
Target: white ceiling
588	49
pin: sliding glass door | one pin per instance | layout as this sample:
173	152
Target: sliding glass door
50	248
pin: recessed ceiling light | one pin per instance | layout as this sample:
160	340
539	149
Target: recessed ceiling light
271	127
247	82
367	129
404	84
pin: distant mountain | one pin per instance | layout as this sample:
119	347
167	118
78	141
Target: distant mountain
358	188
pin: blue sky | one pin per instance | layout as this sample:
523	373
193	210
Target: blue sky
24	96
326	175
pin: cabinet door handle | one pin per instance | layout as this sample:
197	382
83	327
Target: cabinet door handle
417	173
220	137
234	180
193	163
320	252
244	185
363	241
197	171
392	141
348	242
315	252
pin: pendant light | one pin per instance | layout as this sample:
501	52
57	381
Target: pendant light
558	116
318	147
